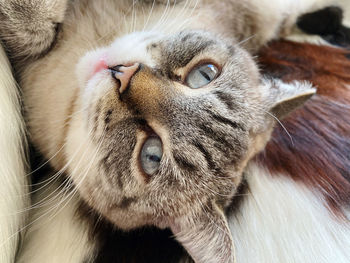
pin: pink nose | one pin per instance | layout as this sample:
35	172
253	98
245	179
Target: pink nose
124	74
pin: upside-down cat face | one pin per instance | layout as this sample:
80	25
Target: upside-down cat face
202	134
162	129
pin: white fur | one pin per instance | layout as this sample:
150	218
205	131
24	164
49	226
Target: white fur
13	181
282	221
56	234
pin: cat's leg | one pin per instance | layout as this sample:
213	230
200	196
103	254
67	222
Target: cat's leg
28	27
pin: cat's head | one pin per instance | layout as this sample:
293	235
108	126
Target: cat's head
162	129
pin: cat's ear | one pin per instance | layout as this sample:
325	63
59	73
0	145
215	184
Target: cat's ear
286	97
206	236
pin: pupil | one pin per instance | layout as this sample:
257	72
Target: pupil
204	74
153	158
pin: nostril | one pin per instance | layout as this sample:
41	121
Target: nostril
124	74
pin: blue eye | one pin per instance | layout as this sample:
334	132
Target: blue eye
201	75
151	155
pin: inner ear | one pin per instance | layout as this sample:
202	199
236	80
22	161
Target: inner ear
285	97
206	236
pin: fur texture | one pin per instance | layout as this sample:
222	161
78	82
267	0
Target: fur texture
94	134
281	220
13	167
320	127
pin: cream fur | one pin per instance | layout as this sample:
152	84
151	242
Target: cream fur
14	185
282	221
297	228
55	234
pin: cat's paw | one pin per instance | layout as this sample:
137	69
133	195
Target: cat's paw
28	28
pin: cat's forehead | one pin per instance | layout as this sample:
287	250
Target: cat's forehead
177	50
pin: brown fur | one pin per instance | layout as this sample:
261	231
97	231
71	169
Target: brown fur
319	153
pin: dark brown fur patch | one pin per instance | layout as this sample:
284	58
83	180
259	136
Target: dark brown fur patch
108	116
126	202
206	154
319	153
221	119
183	163
226	99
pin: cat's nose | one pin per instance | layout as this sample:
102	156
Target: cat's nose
124	73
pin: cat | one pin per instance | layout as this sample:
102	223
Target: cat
148	112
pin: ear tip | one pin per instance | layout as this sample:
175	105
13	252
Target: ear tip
300	86
296	84
289	96
307	86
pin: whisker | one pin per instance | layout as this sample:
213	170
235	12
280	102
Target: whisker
160	20
245	40
191	15
81	179
57	204
149	16
280	123
211	219
52	179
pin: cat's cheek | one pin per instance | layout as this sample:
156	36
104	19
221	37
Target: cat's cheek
82	157
98	86
93	95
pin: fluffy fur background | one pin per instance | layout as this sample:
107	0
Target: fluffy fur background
13	179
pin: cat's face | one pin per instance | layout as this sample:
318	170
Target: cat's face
174	140
170	147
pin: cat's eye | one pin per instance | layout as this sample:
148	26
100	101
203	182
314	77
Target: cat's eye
201	75
151	154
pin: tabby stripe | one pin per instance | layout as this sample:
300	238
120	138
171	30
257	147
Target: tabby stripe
104	161
226	99
221	143
108	116
183	163
206	155
97	114
120	181
126	202
224	120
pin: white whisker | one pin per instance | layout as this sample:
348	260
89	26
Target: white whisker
280	123
149	16
62	192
